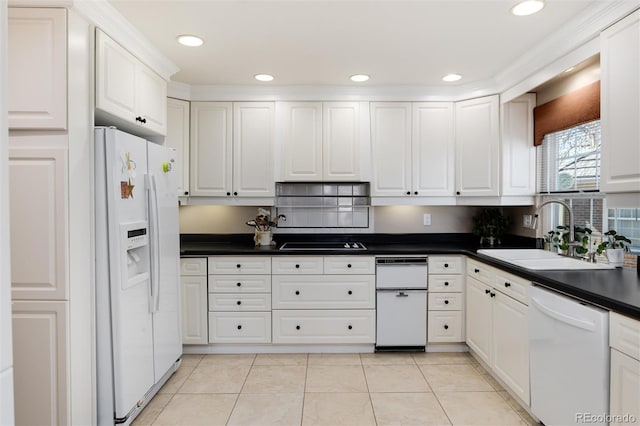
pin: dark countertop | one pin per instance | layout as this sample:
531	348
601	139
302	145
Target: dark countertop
617	290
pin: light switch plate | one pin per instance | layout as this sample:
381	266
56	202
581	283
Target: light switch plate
526	220
427	219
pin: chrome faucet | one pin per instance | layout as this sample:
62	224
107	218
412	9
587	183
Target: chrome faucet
572	238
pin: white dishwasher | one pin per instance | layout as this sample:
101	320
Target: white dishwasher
569	359
401	303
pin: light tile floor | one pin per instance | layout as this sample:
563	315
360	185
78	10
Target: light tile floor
333	389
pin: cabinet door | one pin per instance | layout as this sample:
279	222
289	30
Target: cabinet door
301	124
391	148
478	318
39	218
518	152
178	138
194	310
210	154
115	78
478	147
41	378
433	149
620	109
37	62
151	99
625	387
253	146
510	351
341	141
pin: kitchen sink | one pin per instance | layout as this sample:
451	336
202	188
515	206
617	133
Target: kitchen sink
323	245
541	260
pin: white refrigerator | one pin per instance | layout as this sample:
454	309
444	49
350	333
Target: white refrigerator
139	342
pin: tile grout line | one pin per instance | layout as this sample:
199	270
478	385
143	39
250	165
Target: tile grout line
304	390
235	404
435	395
366	382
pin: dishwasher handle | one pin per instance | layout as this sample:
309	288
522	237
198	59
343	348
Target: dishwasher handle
567	319
402	294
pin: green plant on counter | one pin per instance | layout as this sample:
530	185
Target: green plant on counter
614	241
490	223
559	238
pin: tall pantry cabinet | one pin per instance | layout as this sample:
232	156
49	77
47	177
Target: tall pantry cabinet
50	258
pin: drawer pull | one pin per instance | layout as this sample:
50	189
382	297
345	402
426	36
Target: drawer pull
493	294
507	284
238	284
349	292
446	265
349	265
487	291
446	283
297	327
476	270
238	265
446	302
446	327
350	327
297	292
238	303
239	327
297	266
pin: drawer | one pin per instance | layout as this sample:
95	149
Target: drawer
239	283
239	265
349	265
324	292
297	265
239	302
445	301
193	266
512	286
445	264
325	326
624	335
480	271
239	327
444	326
446	283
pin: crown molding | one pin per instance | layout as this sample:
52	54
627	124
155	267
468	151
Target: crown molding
108	19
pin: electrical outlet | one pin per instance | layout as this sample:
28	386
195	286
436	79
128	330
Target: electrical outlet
427	219
526	220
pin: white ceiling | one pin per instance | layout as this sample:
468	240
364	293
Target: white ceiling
303	42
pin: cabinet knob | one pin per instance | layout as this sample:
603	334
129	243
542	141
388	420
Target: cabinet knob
446	327
349	265
476	270
350	327
235	194
238	265
408	192
446	265
239	327
415	193
297	266
446	283
228	194
457	192
238	284
446	302
186	192
143	121
297	292
493	294
139	118
507	284
297	327
350	292
487	291
239	302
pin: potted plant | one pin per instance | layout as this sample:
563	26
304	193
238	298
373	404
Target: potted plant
614	246
490	225
559	238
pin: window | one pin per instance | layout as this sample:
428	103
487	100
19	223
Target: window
626	222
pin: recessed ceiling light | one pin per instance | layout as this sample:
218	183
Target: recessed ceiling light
190	40
451	77
570	69
359	78
527	7
263	77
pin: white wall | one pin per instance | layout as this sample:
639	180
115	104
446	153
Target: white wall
6	361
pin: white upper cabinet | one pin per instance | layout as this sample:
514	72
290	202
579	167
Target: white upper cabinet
232	146
518	152
129	92
178	138
620	109
211	149
391	148
301	127
413	148
341	141
253	146
37	74
478	147
433	149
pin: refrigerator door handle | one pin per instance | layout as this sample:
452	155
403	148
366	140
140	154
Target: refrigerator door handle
155	244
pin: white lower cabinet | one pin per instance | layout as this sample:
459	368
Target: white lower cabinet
446	300
193	285
324	326
41	375
497	325
624	338
445	326
240	327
